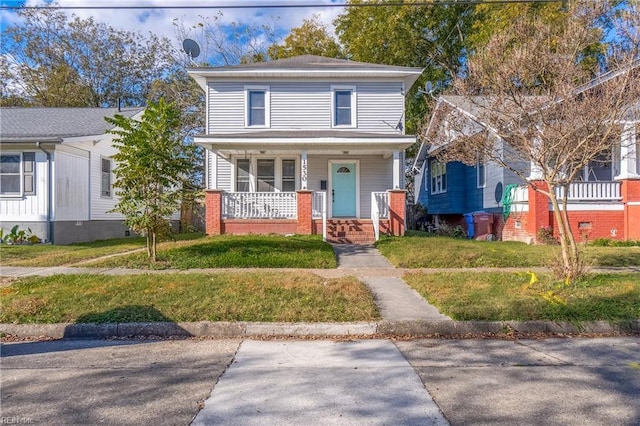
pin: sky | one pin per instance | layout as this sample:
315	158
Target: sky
159	20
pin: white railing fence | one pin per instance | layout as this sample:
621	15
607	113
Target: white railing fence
259	205
591	191
319	210
379	210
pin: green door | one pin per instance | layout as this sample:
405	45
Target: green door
343	178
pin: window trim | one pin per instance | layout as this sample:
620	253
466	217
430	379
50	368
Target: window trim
267	106
354	98
22	175
438	183
102	173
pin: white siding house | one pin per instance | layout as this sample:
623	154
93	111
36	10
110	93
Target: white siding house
307	127
56	174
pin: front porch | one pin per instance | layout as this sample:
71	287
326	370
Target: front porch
302	212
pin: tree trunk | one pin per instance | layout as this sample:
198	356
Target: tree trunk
571	264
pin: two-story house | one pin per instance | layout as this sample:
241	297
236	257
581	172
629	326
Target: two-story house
306	145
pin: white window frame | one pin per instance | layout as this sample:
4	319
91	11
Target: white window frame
437	182
22	174
354	99
253	171
481	172
267	106
102	173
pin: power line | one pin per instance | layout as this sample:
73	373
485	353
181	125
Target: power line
286	5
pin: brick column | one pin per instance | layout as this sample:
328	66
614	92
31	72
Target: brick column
213	211
538	215
305	212
630	190
397	211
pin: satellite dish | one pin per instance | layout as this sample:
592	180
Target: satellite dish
428	87
191	48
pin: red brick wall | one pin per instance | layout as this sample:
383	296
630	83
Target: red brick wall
521	233
631	197
597	224
259	226
305	212
213	212
397	211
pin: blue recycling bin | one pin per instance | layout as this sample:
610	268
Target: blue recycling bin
468	217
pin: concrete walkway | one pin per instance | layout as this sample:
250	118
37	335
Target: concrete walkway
395	299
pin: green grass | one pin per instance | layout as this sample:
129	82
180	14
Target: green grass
236	251
494	296
58	255
419	251
187	252
269	297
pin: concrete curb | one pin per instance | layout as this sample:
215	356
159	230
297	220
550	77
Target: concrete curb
360	329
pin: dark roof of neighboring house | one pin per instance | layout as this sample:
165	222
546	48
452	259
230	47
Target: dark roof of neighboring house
32	124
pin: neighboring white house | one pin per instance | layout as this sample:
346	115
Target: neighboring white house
293	140
56	173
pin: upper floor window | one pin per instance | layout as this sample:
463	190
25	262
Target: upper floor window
438	177
17	174
343	106
257	101
105	177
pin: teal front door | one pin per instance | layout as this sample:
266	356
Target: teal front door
343	191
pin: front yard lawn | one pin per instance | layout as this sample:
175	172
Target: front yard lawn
444	252
247	296
501	296
187	252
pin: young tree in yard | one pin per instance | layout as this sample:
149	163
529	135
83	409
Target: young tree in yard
538	100
153	163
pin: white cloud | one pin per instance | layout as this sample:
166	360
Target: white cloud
159	20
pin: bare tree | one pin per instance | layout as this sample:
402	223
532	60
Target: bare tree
551	98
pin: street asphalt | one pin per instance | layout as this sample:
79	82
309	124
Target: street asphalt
258	373
570	381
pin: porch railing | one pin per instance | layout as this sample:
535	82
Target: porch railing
319	210
259	205
591	191
379	210
578	191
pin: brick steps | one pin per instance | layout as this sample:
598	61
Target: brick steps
350	231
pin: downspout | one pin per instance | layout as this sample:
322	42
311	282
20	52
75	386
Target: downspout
49	192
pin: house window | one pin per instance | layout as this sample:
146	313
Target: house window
105	182
482	171
10	174
17	174
243	176
257	106
288	175
438	177
343	102
266	175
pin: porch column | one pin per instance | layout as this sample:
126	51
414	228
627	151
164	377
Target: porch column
397	211
538	215
396	169
631	199
303	170
213	211
305	212
629	167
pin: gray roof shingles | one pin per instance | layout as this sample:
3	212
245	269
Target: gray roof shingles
48	123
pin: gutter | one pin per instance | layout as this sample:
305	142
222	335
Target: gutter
49	191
